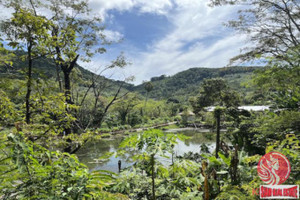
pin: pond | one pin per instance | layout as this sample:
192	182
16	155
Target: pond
95	149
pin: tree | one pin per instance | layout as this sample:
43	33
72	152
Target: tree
273	26
6	57
148	87
8	112
173	105
117	96
282	82
217	114
26	30
216	92
125	105
73	34
150	144
98	85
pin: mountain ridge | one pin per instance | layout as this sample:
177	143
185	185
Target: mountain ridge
188	82
182	84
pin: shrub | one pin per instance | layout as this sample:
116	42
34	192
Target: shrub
106	135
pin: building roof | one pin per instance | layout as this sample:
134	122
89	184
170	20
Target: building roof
248	108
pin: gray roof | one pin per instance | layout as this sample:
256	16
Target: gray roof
249	108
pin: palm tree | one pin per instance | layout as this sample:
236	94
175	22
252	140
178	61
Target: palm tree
148	87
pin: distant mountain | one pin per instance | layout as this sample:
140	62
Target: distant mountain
180	86
187	83
45	68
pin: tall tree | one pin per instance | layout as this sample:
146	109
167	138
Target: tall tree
216	92
148	87
125	105
74	34
26	31
273	26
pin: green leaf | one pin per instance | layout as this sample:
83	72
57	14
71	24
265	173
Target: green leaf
227	161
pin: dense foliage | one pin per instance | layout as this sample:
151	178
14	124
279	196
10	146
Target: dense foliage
50	108
186	83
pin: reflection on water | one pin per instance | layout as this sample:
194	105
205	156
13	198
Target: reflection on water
95	149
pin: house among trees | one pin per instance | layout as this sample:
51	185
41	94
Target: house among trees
187	115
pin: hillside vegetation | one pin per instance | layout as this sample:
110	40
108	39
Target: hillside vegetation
187	83
180	86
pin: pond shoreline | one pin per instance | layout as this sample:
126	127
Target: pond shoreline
200	130
91	154
139	129
191	126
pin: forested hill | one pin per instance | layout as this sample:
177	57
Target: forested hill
187	83
181	85
44	68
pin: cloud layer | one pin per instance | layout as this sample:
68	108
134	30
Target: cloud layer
197	39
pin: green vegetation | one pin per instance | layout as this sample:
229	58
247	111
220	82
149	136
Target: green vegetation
186	83
50	108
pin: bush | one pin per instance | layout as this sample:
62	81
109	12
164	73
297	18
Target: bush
115	128
106	135
208	118
103	130
177	118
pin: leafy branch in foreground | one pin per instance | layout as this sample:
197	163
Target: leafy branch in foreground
151	149
29	171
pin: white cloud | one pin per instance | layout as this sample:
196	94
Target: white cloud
197	39
187	45
144	6
113	36
154	6
173	61
5	13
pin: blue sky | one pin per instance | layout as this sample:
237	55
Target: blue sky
165	36
139	29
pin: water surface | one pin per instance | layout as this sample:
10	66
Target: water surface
95	149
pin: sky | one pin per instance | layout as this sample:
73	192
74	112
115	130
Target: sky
165	36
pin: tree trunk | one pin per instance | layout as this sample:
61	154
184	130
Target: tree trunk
234	167
67	86
218	119
29	76
67	71
67	90
58	78
145	105
206	183
153	177
123	117
58	58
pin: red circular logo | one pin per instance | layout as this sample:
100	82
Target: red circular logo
274	168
